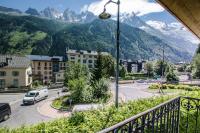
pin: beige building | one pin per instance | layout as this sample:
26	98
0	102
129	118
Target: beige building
15	72
88	58
45	68
59	76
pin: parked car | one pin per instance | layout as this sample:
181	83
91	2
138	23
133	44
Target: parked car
5	111
34	96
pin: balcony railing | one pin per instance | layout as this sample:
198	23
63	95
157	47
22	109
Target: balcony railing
180	114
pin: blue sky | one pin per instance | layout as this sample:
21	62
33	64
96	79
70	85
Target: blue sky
75	5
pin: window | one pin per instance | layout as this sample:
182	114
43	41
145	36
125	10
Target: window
64	64
90	56
2	83
45	68
50	64
2	73
72	58
39	68
39	73
38	63
84	61
45	64
45	72
15	82
15	73
50	73
90	61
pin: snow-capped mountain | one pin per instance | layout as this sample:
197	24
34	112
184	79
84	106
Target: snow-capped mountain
83	17
172	32
51	13
68	15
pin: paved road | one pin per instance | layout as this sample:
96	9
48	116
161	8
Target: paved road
23	115
133	91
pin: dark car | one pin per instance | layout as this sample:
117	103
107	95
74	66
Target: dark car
5	111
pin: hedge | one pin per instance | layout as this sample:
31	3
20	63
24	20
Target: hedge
172	86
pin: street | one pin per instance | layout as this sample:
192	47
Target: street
133	91
27	115
23	115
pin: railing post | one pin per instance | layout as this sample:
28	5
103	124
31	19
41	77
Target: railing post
178	116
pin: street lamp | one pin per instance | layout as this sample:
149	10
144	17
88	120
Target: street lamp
105	15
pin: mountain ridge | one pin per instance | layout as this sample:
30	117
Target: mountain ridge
35	35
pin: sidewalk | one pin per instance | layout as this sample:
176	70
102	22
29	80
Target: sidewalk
46	110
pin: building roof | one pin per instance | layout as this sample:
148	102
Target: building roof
84	52
187	11
11	61
44	58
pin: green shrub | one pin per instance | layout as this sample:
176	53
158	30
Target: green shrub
179	87
101	88
154	86
170	86
80	91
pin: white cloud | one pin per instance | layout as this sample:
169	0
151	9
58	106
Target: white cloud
139	7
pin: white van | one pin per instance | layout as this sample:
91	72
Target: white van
34	96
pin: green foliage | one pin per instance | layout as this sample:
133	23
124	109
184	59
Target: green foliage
104	67
160	67
122	72
98	69
36	83
136	76
171	76
198	49
196	66
101	88
178	87
108	66
80	91
149	69
75	71
59	103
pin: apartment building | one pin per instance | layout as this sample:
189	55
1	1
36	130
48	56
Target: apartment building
45	68
15	72
88	57
133	66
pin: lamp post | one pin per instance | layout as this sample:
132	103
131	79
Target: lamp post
105	15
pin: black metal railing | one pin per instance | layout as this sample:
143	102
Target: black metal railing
189	117
178	115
